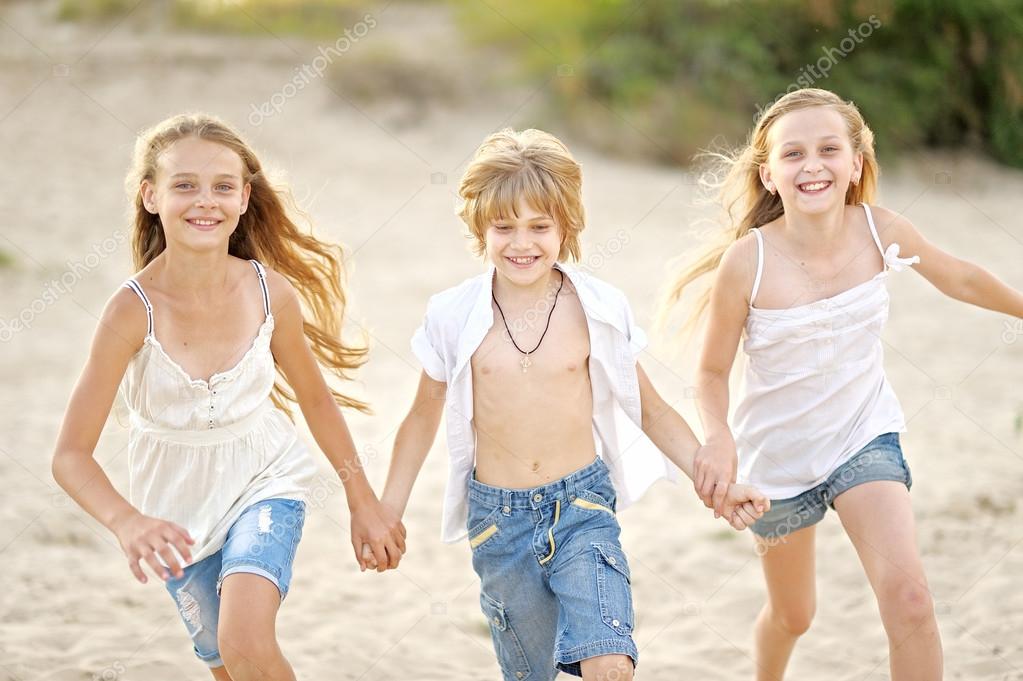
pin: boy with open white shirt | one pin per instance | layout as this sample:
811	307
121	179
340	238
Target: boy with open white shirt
545	407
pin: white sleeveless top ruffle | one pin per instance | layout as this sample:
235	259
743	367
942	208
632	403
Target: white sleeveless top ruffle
201	451
814	390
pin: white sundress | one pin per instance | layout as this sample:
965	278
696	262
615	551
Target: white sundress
201	451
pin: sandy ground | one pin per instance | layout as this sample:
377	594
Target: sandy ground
380	177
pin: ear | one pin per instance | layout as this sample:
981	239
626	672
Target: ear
857	167
246	192
148	196
765	178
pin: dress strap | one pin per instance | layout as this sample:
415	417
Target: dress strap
134	286
760	265
873	230
262	285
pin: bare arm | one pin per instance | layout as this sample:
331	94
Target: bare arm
118	337
956	278
413	441
665	427
716	463
372	524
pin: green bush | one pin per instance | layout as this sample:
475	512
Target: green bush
677	75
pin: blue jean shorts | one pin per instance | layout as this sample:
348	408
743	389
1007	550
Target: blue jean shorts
554	582
880	459
261	542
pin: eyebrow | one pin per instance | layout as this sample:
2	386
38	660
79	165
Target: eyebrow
221	175
820	139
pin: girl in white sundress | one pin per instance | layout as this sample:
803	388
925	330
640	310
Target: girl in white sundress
208	344
800	277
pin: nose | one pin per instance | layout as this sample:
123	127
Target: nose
812	165
205	199
522	240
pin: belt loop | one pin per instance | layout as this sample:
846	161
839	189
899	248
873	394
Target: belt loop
506	498
570	488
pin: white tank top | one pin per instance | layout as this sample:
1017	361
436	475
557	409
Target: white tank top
201	451
814	390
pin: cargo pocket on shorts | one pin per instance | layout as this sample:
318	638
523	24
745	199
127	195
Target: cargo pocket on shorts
614	589
510	654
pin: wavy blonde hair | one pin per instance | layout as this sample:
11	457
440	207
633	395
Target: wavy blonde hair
265	232
531	165
734	183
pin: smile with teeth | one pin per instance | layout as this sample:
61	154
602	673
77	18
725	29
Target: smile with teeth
524	260
202	222
814	186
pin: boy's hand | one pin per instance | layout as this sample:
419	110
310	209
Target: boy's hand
714	468
145	538
378	536
743	505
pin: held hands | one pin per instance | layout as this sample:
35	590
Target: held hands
144	538
742	505
378	536
714	468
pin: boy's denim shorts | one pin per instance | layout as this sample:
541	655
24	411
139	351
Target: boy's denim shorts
881	459
261	542
555	584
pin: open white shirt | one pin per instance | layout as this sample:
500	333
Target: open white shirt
458	319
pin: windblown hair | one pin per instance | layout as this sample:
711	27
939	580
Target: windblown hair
734	183
265	232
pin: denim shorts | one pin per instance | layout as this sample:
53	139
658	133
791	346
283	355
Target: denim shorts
554	582
880	459
261	542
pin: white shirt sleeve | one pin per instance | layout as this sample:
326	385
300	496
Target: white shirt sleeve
426	347
637	337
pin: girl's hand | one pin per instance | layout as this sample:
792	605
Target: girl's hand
714	468
144	538
744	505
378	536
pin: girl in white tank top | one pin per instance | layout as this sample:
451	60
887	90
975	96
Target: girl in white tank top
208	347
816	425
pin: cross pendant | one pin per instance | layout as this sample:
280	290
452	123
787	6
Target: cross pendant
525	363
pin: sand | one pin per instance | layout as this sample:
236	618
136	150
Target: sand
380	176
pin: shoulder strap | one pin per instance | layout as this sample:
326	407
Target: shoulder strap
262	285
134	286
760	265
873	228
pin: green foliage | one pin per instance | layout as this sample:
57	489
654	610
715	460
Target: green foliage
306	18
676	75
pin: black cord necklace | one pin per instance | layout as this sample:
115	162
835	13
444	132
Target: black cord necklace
525	362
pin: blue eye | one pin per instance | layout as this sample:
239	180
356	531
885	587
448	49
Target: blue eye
830	149
791	154
225	187
183	185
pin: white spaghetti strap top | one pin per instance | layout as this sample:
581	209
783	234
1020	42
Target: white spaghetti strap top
814	390
202	450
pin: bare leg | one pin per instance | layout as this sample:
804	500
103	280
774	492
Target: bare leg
220	674
607	668
791	600
246	634
878	518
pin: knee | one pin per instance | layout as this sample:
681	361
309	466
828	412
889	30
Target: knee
608	668
244	651
794	619
907	602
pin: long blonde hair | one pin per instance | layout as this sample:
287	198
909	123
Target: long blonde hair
735	185
266	233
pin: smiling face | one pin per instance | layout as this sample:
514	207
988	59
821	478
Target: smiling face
525	246
811	161
198	193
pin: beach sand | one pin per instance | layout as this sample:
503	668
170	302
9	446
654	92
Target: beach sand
380	176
